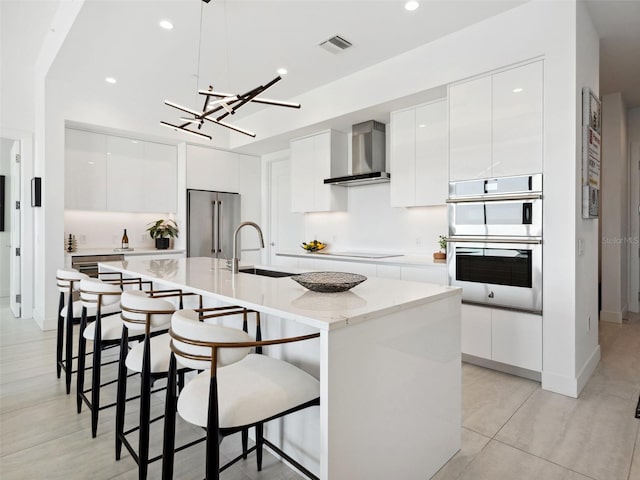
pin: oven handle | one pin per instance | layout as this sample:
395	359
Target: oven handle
496	197
524	240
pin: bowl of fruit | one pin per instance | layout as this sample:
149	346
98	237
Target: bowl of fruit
313	246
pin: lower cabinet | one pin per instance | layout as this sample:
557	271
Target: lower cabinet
437	275
512	338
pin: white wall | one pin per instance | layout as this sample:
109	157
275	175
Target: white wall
586	307
371	224
633	133
5	237
615	212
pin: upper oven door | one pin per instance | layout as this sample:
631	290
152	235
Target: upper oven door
498	273
509	217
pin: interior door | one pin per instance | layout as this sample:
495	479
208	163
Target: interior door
15	263
634	228
285	227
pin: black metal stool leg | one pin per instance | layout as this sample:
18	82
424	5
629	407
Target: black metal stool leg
82	349
121	399
169	438
245	442
145	411
259	444
60	336
95	375
68	361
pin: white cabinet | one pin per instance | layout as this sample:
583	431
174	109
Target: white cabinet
516	339
512	338
476	331
141	176
517	121
85	170
495	124
419	150
470	130
313	159
119	174
212	169
425	274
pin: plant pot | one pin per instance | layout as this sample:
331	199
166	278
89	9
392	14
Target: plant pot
439	256
162	243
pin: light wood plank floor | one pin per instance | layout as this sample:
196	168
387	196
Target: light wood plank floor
512	429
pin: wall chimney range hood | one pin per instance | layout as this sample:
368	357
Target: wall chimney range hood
368	156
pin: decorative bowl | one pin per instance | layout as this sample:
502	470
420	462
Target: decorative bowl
313	246
329	282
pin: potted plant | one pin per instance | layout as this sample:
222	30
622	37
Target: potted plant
442	254
161	231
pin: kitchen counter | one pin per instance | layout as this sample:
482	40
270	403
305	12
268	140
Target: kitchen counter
388	360
391	259
136	251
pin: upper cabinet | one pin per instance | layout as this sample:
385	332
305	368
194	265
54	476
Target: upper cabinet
314	158
119	174
419	150
212	169
495	124
85	170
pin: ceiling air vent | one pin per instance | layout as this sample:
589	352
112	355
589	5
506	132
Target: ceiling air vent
335	44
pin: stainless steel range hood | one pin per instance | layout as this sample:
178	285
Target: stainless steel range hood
368	156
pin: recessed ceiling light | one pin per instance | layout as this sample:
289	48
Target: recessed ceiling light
422	125
166	24
411	5
282	71
517	90
110	80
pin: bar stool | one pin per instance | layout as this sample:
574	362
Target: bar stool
70	311
146	314
237	389
105	333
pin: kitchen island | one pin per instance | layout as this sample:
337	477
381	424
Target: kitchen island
388	360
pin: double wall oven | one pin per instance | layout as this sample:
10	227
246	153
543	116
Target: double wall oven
495	241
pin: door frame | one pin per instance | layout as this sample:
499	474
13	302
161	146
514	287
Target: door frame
634	227
26	217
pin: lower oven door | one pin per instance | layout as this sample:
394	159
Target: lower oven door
504	272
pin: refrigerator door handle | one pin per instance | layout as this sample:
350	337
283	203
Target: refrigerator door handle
214	226
220	212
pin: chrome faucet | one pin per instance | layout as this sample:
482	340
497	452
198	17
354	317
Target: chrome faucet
236	260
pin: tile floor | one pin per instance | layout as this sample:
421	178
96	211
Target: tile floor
512	429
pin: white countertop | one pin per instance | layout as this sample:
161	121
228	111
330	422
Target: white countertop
135	251
283	297
400	260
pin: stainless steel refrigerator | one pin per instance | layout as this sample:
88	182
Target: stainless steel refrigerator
211	219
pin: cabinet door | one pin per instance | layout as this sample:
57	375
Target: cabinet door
85	170
476	331
517	121
126	175
516	339
302	174
436	275
211	169
161	178
388	271
470	130
403	158
431	154
321	169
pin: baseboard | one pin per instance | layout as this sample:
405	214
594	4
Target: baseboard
588	368
561	384
501	367
612	317
43	322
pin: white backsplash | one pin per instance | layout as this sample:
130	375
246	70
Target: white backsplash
371	224
104	229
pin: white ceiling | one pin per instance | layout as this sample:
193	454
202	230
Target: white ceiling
243	42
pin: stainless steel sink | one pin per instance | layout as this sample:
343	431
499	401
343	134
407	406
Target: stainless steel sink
265	273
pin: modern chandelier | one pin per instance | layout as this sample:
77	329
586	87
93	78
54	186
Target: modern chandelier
218	105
